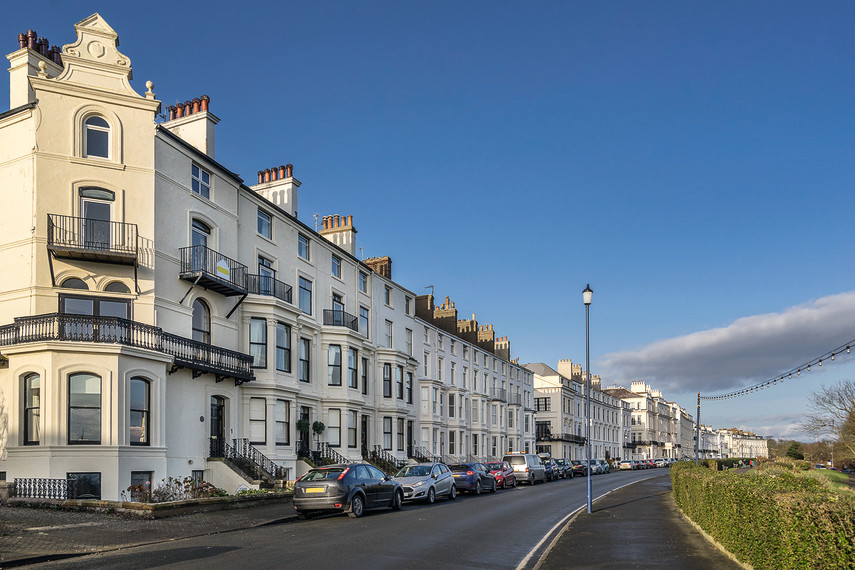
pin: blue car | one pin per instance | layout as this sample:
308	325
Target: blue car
473	478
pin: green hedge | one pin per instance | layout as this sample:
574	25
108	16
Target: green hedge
773	518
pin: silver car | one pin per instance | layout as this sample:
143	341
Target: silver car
426	481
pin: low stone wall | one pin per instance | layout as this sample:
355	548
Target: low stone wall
155	510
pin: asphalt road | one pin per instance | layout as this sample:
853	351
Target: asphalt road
497	530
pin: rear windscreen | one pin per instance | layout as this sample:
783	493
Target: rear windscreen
515	460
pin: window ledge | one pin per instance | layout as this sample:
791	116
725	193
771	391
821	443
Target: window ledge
104	162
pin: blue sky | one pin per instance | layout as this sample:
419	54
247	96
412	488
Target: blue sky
693	163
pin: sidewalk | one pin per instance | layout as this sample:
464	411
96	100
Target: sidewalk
37	535
637	526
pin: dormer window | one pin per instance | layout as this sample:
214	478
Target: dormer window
96	137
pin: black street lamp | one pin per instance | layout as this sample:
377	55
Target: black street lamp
586	298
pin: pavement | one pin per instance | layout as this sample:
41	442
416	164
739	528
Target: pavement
634	526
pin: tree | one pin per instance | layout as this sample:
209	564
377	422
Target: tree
832	412
793	451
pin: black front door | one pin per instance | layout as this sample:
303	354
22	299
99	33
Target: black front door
363	436
218	425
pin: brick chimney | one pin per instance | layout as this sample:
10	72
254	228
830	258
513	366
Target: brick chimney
381	265
193	123
24	63
503	348
340	231
278	185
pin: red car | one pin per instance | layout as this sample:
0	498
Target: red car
503	473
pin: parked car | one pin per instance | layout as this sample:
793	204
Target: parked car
528	467
660	462
626	465
566	467
579	468
550	469
348	488
604	466
473	478
503	473
426	481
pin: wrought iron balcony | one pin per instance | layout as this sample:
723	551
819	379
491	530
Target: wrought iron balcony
186	353
71	237
499	394
266	285
213	270
515	399
337	318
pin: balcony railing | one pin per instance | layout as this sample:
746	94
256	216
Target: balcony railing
546	435
338	318
95	240
186	353
515	399
213	270
499	394
266	285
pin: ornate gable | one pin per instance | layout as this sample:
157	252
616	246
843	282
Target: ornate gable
94	59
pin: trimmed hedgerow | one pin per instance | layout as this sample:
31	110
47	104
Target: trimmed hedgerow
769	519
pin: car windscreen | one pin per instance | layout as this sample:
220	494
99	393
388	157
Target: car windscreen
321	474
494	466
414	471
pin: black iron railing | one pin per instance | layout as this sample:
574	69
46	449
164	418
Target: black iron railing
515	399
83	234
266	285
338	318
87	328
329	454
385	460
198	261
247	458
422	455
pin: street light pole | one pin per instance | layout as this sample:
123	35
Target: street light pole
586	298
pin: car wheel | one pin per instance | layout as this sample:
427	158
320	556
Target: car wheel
398	501
431	496
531	479
477	487
453	494
514	484
503	483
356	507
493	487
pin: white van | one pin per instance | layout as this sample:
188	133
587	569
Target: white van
528	468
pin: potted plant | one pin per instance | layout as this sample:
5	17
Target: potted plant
318	428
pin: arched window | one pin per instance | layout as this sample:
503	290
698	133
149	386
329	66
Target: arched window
117	287
200	233
32	409
96	137
139	411
74	283
201	322
84	408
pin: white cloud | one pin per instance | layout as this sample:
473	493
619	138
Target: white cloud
749	350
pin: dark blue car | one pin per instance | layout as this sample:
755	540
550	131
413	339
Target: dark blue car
473	478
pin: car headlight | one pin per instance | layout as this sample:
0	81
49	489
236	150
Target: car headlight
418	484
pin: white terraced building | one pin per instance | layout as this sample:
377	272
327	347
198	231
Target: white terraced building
159	316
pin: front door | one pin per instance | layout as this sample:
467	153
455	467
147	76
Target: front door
304	435
218	426
363	436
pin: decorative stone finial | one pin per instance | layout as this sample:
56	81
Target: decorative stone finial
43	70
149	94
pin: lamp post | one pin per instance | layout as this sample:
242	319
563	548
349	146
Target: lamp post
586	298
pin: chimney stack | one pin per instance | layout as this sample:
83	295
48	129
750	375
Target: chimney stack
194	123
339	230
278	185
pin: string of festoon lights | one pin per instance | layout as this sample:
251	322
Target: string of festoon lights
829	356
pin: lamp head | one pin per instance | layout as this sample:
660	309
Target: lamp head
587	294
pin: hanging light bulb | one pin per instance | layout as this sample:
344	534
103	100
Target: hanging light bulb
832	357
791	375
775	381
798	372
809	366
820	362
847	349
